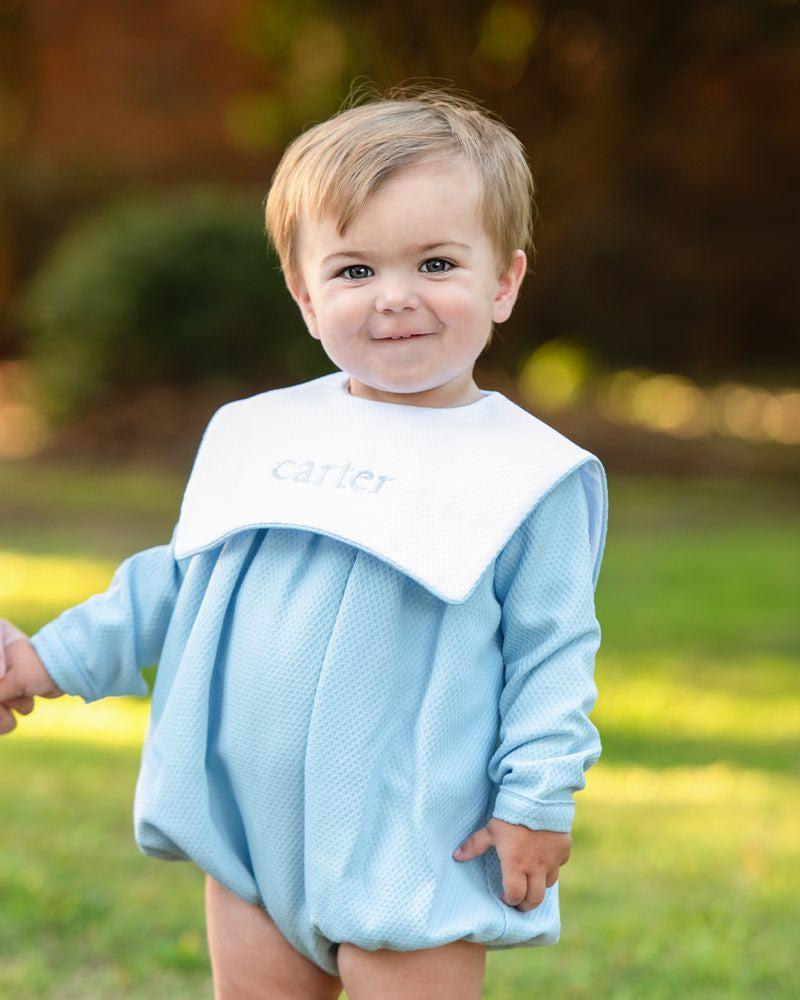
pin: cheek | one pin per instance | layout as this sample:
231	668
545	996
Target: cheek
467	306
341	312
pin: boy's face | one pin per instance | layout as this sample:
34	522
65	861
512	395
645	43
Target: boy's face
405	300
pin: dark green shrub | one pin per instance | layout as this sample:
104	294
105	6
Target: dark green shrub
163	290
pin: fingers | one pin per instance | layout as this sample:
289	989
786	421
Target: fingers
18	685
525	878
7	720
22	705
515	885
535	894
11	688
479	843
8	633
526	892
552	877
26	675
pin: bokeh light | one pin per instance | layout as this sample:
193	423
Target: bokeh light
673	404
554	375
23	430
507	35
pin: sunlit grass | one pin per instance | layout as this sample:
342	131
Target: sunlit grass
701	698
31	583
109	722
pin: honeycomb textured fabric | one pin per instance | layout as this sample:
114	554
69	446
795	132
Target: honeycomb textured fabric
325	731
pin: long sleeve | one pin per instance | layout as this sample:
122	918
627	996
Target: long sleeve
544	579
99	647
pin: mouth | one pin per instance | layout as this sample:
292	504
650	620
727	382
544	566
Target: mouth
402	336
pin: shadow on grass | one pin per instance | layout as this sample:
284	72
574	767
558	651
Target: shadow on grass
653	750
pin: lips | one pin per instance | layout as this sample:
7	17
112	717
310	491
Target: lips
401	336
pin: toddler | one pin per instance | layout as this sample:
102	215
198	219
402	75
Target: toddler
374	622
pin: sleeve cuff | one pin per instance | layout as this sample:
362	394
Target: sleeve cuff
536	814
62	666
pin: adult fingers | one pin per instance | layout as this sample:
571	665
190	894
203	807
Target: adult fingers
7	720
22	705
11	688
8	633
28	677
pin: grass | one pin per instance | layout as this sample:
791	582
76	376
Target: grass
685	875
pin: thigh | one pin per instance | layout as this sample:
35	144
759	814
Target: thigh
451	972
252	960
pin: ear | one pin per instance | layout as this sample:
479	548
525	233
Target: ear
299	293
508	286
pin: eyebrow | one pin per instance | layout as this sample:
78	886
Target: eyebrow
422	248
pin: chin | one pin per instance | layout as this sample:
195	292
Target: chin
419	382
398	385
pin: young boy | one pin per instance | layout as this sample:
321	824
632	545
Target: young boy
374	622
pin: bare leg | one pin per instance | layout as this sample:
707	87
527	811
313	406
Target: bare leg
252	960
452	972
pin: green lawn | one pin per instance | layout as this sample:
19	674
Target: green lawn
685	875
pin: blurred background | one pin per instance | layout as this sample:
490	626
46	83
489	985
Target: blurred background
660	328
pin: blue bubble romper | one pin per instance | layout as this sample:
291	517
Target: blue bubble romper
375	630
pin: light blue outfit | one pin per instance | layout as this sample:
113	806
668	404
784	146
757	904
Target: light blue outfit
325	731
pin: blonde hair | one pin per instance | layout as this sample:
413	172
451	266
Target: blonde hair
332	169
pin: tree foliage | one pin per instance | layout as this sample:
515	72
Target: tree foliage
163	290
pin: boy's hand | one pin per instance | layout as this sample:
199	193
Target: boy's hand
529	859
22	676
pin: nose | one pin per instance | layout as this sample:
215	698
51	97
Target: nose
395	295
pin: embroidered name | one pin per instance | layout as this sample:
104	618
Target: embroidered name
362	480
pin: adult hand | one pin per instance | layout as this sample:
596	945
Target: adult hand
8	633
23	676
